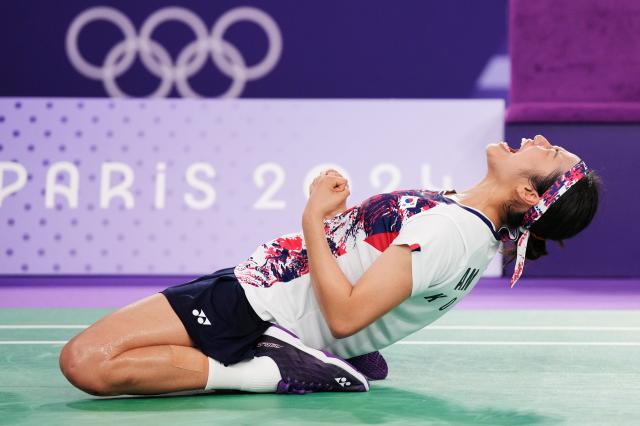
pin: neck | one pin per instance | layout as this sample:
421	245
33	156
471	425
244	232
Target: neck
487	196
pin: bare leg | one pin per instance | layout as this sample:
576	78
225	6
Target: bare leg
158	369
142	348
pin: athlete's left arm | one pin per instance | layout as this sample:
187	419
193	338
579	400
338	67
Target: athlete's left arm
349	308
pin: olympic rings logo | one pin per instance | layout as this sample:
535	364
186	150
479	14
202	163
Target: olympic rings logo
189	61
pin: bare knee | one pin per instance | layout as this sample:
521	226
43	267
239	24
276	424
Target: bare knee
83	365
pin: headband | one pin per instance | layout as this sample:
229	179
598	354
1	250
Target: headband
550	196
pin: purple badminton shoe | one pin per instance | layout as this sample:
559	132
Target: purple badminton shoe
372	365
304	369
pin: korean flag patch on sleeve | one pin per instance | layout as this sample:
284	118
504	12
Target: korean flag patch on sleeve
408	202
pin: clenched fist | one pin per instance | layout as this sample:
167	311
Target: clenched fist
327	195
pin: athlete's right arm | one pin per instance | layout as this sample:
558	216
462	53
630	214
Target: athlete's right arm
427	250
349	308
382	287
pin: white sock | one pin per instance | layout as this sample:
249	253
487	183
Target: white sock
260	374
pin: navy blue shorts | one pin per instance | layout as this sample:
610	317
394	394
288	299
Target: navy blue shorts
217	315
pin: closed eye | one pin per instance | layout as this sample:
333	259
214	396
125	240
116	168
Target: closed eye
556	154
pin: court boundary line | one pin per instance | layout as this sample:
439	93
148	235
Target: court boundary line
514	343
407	342
532	328
435	327
40	326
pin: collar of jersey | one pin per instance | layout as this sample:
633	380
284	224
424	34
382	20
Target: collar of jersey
478	213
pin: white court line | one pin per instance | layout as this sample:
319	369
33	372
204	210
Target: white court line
530	328
433	327
407	342
40	326
507	343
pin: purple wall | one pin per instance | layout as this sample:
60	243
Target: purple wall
574	60
577	62
374	51
330	48
490	293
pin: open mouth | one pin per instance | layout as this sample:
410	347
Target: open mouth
507	148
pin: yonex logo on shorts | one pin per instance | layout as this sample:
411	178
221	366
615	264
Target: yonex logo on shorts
202	318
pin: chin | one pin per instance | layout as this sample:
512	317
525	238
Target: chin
493	150
494	154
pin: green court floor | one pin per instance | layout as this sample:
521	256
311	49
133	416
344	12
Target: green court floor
471	367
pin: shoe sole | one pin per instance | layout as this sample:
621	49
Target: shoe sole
376	369
287	337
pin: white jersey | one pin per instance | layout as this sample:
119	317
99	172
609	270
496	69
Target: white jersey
451	247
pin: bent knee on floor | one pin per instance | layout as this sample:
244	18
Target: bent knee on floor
83	365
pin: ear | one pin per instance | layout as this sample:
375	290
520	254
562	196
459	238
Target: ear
527	194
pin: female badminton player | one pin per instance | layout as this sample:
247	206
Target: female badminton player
354	281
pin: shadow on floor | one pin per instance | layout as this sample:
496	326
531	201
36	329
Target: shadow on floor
383	405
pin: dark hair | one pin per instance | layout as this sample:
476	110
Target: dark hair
569	215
